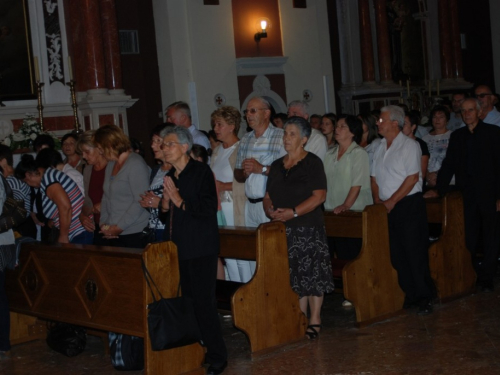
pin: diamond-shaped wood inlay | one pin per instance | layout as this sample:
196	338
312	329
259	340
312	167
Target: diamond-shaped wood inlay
92	289
33	281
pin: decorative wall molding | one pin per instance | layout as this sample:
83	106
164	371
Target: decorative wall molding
251	66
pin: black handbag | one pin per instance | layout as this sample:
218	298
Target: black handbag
67	339
13	210
171	321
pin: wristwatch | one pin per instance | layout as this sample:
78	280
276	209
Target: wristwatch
295	214
264	170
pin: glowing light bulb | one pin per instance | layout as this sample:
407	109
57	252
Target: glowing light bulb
263	25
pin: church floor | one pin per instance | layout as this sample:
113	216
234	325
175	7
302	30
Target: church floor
460	337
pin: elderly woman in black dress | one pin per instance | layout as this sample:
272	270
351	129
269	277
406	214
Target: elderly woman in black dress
189	204
296	189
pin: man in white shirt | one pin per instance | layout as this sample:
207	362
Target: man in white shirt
317	141
178	113
396	181
489	114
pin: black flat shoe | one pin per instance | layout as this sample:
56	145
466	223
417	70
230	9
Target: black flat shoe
215	370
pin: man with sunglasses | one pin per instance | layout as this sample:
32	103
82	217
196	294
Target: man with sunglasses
257	150
489	114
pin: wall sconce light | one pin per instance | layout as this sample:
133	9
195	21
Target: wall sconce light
263	33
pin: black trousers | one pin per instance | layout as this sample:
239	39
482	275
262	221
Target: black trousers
198	277
409	243
485	225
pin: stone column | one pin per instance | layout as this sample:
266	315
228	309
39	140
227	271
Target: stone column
93	46
365	30
445	41
384	51
457	70
111	47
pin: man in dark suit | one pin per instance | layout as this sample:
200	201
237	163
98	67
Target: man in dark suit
473	156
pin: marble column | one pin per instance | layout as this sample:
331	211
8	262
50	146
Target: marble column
445	42
457	70
93	46
111	46
384	51
365	30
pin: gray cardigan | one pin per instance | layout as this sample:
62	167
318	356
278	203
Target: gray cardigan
120	202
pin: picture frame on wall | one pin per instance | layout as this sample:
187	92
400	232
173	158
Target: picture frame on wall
16	58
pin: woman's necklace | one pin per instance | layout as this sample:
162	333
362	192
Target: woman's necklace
288	164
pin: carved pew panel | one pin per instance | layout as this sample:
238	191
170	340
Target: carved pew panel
370	281
162	262
449	259
101	288
266	308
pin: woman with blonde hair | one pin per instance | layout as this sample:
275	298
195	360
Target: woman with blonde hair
226	124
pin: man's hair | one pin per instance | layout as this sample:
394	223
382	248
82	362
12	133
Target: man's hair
478	105
461	92
263	100
315	116
43	139
300	103
180	106
395	114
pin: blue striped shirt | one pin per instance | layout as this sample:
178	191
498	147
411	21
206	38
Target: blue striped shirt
21	191
50	210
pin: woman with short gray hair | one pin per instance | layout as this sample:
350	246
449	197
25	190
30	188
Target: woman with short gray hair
296	189
189	207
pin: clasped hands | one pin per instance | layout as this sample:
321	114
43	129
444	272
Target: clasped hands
170	193
280	214
149	200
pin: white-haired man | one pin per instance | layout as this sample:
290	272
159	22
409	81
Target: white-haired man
257	150
179	113
317	141
396	181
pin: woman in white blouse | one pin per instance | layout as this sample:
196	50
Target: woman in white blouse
226	124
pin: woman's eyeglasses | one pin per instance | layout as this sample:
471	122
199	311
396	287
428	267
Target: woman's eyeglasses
166	145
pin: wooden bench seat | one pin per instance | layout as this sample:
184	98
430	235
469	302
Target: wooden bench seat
100	288
449	259
266	308
370	282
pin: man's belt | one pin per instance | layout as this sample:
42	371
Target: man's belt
258	200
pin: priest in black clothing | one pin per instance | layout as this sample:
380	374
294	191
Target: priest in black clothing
473	156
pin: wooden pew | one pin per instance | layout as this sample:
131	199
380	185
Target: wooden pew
266	308
449	260
101	288
370	281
